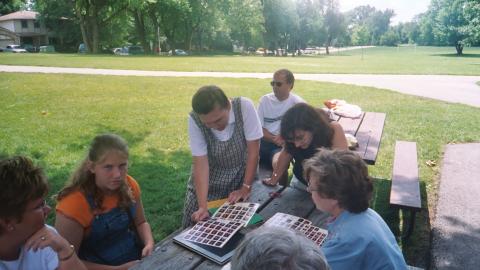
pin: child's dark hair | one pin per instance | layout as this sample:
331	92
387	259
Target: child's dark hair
21	182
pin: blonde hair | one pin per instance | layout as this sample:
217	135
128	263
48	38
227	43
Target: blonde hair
83	179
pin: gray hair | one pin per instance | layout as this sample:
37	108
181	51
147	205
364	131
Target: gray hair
278	248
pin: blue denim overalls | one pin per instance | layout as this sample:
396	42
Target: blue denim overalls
111	241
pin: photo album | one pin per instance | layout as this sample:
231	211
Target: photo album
304	226
217	237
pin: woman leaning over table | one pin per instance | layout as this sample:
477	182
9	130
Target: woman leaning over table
25	241
304	129
358	238
100	210
224	140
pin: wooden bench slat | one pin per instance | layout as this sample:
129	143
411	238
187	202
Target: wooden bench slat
168	255
405	189
369	136
293	201
350	125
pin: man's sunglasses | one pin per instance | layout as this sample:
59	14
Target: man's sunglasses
274	83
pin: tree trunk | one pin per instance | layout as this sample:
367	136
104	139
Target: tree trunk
459	48
140	27
95	33
327	44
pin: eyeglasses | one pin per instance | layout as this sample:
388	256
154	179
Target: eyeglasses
274	83
295	139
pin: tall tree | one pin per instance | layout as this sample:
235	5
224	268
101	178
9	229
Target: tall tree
169	16
93	15
9	6
281	23
244	19
310	31
334	23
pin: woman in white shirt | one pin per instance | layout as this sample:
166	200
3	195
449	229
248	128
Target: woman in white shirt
224	140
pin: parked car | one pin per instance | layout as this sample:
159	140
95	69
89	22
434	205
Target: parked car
47	49
30	48
15	49
82	48
118	51
178	52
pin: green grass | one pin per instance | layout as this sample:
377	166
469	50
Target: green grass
380	60
52	118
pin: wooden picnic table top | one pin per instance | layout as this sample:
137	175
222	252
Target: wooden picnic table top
169	255
367	129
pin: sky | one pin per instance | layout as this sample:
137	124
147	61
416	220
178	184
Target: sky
405	10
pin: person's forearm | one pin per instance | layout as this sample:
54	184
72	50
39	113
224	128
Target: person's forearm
145	233
200	180
70	260
282	165
269	137
252	161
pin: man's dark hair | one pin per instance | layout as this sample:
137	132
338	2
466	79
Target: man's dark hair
288	75
207	97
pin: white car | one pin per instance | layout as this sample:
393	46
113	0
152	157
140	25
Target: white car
15	49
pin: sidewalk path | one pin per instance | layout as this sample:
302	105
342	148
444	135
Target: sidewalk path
456	229
457	89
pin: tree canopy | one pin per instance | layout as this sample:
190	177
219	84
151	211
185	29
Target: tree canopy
278	25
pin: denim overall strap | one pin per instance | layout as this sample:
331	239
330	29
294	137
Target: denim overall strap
111	240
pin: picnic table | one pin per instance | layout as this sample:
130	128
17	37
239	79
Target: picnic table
168	255
367	129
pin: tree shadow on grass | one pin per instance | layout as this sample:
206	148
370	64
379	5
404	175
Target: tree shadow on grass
162	176
464	55
416	249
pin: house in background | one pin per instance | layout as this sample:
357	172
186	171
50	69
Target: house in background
22	28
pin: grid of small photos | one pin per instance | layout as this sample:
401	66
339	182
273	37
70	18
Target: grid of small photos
213	232
217	230
305	226
241	212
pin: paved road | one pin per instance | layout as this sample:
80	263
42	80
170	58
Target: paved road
456	229
457	89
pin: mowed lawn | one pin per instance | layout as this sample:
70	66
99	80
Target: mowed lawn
379	60
52	118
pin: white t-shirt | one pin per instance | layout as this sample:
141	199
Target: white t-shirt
42	259
251	128
271	110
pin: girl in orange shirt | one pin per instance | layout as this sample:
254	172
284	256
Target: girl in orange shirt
100	210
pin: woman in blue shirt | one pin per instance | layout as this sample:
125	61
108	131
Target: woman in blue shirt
358	237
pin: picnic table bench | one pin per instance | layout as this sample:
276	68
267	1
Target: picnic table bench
405	190
367	129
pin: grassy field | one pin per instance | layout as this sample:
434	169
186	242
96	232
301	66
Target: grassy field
52	118
380	60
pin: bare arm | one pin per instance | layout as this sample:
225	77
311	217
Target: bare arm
276	139
72	231
67	258
338	141
283	163
144	230
200	180
250	170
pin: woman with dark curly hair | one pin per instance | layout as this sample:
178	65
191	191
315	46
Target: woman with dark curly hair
358	238
304	129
